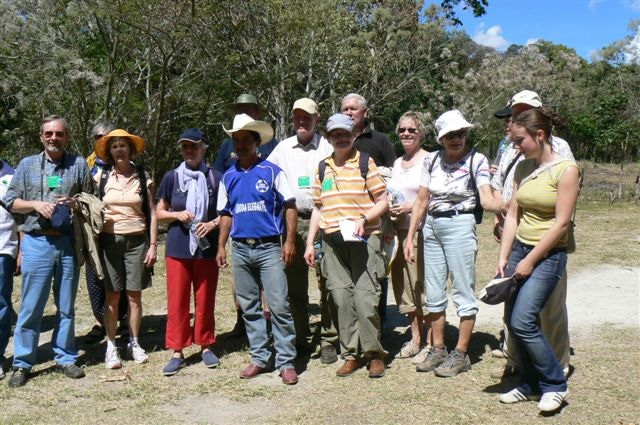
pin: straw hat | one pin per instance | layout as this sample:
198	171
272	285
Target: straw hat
102	144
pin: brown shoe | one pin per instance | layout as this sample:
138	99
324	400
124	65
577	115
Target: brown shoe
289	376
376	368
251	371
349	366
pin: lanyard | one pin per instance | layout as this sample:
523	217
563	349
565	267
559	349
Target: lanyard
42	173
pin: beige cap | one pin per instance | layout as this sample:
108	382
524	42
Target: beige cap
306	104
526	97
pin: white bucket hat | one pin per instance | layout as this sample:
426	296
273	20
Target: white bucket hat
527	97
246	123
451	121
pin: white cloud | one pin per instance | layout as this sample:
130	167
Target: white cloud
531	41
593	4
632	50
491	37
632	4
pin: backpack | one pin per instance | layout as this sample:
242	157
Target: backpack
478	211
363	164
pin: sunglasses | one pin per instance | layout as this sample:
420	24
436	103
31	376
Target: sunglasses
410	130
455	134
98	136
49	134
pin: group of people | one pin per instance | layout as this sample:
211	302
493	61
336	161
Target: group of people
333	202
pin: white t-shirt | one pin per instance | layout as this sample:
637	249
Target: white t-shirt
449	185
403	187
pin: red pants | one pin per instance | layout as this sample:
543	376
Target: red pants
181	274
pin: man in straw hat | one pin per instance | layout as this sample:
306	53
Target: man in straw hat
252	196
244	104
299	156
42	192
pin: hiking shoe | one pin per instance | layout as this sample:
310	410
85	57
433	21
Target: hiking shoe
552	400
137	353
409	349
453	365
95	335
328	354
18	377
434	358
498	353
112	359
173	366
503	371
421	356
517	396
209	359
70	371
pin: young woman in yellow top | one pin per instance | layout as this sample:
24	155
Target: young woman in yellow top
533	248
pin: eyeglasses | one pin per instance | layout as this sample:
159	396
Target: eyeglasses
455	134
410	130
49	134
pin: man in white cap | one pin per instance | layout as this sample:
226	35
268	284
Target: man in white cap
554	321
253	197
299	156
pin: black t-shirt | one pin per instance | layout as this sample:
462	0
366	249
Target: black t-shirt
377	145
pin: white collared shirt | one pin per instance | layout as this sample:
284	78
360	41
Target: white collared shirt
299	164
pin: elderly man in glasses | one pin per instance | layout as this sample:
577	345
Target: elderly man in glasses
41	194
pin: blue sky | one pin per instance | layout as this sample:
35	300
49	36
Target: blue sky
584	25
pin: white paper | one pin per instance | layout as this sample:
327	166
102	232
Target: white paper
348	230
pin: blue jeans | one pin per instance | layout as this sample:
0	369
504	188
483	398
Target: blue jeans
7	268
540	371
450	247
253	265
45	258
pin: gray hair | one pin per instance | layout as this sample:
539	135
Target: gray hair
359	98
101	127
51	118
418	119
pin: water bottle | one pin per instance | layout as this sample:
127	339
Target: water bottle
57	191
203	243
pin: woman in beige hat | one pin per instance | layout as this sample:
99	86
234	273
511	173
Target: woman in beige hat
128	242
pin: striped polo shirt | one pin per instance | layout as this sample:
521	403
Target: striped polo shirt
344	194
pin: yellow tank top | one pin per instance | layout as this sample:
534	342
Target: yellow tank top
537	196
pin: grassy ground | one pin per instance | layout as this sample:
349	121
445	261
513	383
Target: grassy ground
605	388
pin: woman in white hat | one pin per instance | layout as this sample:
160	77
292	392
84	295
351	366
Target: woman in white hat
128	242
450	180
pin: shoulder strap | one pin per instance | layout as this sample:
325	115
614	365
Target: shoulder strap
511	164
472	178
435	157
322	166
144	194
364	165
104	176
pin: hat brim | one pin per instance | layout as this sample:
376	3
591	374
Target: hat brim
503	113
262	128
453	128
102	145
233	107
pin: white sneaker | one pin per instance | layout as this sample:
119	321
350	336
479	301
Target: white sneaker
2	374
552	400
137	353
112	359
516	396
421	356
409	349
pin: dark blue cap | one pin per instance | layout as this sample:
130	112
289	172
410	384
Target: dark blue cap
193	135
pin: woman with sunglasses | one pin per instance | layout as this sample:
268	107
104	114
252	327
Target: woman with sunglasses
448	197
408	278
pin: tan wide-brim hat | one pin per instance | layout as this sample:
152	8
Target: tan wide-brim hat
245	122
243	100
102	144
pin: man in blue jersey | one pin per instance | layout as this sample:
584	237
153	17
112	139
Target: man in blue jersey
252	196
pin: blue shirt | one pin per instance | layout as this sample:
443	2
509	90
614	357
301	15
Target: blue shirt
177	245
255	199
31	183
227	157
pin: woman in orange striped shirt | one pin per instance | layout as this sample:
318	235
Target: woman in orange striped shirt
350	196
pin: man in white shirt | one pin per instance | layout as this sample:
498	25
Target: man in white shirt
299	156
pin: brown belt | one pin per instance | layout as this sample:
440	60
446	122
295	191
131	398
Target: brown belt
47	232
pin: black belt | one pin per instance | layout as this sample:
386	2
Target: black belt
257	241
447	214
46	232
305	215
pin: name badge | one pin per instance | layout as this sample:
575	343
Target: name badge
54	182
327	185
304	182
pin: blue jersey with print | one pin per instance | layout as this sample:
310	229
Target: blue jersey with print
255	199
